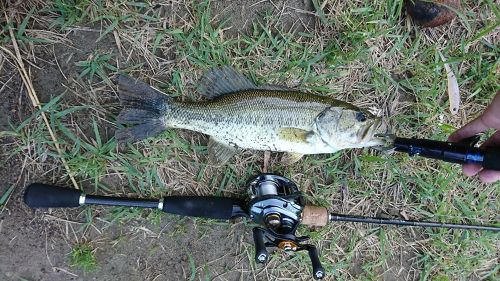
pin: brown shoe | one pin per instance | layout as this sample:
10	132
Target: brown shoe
432	13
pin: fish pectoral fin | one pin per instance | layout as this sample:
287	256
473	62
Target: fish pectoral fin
219	153
221	81
294	134
290	158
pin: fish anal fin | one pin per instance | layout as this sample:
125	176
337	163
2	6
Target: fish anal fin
219	153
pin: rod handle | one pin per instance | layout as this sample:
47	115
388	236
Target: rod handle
210	207
315	216
38	195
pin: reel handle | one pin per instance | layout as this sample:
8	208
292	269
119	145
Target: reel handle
261	254
318	270
39	195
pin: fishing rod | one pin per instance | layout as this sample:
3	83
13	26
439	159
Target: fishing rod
463	152
275	204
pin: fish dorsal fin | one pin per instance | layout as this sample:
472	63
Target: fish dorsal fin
294	134
223	80
275	88
219	153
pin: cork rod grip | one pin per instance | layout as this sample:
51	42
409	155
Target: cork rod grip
315	216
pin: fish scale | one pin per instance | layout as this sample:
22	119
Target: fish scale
240	118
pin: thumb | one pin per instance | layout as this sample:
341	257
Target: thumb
473	128
494	140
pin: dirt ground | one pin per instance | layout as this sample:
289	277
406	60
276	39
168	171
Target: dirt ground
35	245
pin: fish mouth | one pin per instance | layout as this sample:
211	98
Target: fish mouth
367	134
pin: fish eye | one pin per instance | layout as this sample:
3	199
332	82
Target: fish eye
361	117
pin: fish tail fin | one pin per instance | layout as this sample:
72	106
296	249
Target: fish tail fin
143	107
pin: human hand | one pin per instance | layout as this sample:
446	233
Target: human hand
490	119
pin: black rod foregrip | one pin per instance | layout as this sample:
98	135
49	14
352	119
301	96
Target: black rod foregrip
201	206
39	195
488	158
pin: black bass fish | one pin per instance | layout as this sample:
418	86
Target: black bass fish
240	115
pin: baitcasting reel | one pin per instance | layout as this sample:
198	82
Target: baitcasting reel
276	205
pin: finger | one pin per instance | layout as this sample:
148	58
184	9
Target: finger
473	128
471	169
492	113
489	176
494	140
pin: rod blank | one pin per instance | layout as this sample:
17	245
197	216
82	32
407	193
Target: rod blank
383	221
121	201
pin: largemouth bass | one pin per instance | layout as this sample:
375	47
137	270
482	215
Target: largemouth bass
240	115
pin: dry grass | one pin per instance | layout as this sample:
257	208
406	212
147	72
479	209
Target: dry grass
367	54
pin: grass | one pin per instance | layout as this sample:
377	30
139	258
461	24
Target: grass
83	257
365	53
6	195
97	64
